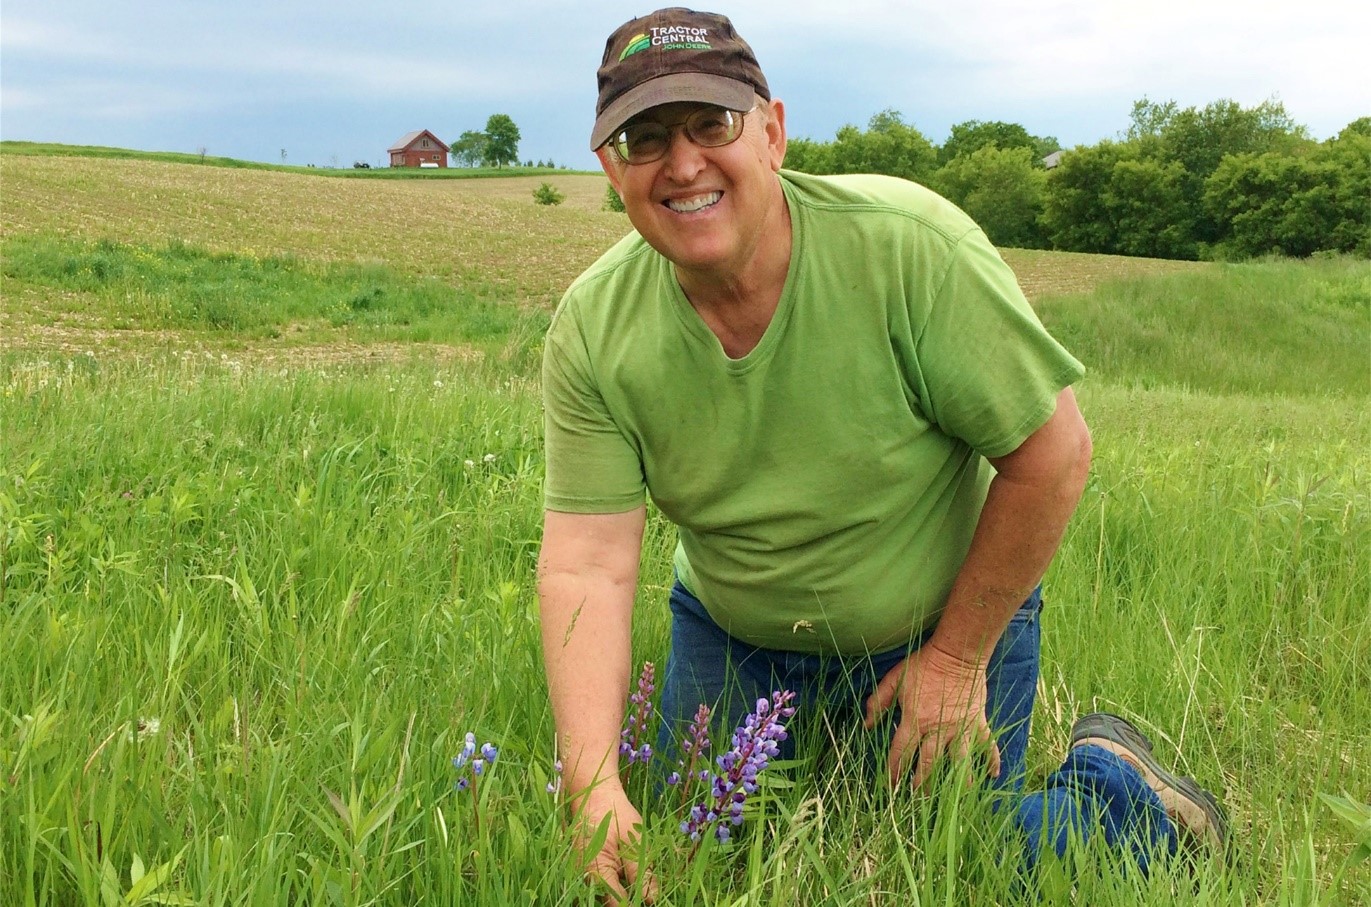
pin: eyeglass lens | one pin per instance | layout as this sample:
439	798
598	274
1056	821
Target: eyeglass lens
708	127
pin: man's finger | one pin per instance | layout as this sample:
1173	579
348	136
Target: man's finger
994	759
884	695
899	745
641	880
929	752
604	871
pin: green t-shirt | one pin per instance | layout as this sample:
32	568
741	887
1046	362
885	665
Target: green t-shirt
827	484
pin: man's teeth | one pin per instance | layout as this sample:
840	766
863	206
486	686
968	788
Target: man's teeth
686	205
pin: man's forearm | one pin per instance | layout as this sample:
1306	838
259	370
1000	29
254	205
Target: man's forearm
587	579
1029	503
586	648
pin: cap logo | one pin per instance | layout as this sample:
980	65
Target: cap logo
680	37
637	43
672	37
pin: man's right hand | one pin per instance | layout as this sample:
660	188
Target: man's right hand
617	864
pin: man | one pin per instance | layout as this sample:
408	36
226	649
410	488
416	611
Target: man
837	392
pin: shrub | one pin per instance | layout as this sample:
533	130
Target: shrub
547	195
612	200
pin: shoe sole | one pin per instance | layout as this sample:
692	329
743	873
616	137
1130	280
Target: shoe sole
1194	809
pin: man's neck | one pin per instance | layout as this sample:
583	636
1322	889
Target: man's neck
738	305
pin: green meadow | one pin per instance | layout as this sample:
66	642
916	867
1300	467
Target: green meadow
270	498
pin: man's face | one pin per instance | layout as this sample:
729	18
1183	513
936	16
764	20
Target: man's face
705	208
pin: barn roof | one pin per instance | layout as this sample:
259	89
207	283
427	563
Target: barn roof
409	138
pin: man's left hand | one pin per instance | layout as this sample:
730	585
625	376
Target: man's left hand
942	713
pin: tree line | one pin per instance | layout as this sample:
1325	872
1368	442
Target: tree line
496	147
1222	181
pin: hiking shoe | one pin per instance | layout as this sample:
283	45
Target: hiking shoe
1196	812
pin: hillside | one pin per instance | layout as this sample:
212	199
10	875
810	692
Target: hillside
95	251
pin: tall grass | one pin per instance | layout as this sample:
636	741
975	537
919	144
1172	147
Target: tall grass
234	591
126	285
1263	327
253	606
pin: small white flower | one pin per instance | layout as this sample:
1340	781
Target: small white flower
470	464
488	458
145	728
437	383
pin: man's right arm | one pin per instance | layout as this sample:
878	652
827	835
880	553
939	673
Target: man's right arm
587	579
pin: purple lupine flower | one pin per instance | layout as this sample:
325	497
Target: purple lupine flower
754	744
632	740
469	765
461	759
693	749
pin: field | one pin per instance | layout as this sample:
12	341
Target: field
270	475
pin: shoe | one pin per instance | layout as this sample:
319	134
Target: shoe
1196	812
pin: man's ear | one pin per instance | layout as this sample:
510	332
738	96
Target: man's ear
612	166
775	132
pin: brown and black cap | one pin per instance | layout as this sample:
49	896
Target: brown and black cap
673	55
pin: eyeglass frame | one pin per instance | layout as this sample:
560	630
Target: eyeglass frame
615	140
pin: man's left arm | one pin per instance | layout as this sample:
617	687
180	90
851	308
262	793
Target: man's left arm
941	687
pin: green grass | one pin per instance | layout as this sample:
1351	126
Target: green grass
318	581
1278	327
175	286
48	149
253	604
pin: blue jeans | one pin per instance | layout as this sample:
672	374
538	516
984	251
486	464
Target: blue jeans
1093	791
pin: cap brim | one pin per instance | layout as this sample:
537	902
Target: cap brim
672	88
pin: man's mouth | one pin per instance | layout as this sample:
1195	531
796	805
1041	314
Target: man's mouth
694	203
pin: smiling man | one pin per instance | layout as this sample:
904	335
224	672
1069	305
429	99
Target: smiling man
836	391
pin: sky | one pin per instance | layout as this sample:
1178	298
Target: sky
330	83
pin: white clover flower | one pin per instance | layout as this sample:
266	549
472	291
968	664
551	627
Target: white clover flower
145	728
488	458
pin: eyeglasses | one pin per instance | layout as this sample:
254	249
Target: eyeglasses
647	141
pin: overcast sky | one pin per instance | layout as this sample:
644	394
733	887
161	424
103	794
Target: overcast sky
334	82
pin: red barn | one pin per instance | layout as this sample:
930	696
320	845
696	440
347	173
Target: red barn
418	149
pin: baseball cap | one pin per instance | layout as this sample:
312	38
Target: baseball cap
672	55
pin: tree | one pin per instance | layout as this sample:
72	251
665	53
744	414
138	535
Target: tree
1001	189
1295	204
470	149
1074	211
974	134
1149	118
502	141
1113	198
888	146
809	156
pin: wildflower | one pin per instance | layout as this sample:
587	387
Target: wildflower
467	759
470	767
694	748
754	744
437	383
632	742
555	785
143	729
469	463
488	458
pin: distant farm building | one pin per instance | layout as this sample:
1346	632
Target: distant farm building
418	149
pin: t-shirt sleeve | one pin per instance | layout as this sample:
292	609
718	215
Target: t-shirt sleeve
990	372
592	467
